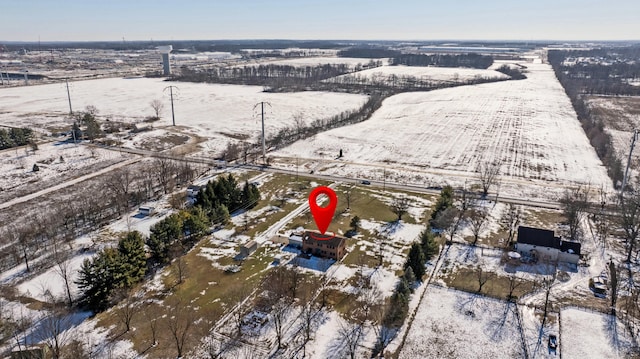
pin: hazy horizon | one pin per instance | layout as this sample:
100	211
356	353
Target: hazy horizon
356	20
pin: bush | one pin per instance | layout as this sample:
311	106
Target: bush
36	168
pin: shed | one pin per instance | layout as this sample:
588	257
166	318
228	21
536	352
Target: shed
146	210
248	248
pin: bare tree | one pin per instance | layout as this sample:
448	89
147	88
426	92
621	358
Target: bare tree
157	107
384	331
477	221
547	284
242	309
348	194
488	173
510	221
351	334
483	277
279	311
151	318
514	282
64	271
449	221
400	206
629	208
307	316
164	170
126	310
574	205
179	321
119	184
53	330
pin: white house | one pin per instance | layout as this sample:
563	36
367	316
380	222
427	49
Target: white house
542	244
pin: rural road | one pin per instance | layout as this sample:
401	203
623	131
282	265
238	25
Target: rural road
386	184
67	183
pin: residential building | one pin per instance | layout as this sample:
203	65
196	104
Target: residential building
543	245
324	245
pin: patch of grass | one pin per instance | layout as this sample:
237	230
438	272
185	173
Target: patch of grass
208	292
497	286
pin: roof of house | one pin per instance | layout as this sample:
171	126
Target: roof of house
546	238
538	237
571	247
332	240
250	244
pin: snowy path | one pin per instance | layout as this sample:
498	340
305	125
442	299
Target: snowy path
67	183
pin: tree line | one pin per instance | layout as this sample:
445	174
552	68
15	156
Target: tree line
14	137
82	211
273	77
514	73
470	60
575	87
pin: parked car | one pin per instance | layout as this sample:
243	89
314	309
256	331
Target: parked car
553	341
365	182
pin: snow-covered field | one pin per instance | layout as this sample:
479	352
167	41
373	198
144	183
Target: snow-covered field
436	74
528	125
454	324
592	335
318	61
219	112
57	162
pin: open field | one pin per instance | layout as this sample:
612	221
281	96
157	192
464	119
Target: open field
220	113
592	335
318	61
527	125
436	74
453	324
620	116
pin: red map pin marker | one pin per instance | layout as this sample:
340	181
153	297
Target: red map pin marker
323	215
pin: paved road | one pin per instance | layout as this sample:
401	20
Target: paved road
373	183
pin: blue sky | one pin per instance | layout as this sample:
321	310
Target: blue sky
87	20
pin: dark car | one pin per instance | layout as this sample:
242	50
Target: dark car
365	182
553	343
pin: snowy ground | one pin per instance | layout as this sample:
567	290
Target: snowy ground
57	162
423	73
592	335
528	125
318	61
454	324
219	112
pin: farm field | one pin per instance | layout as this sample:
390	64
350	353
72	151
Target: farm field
220	113
423	73
527	125
318	61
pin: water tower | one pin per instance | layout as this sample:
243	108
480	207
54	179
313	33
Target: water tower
164	51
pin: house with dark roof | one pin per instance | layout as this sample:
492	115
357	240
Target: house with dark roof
542	244
324	245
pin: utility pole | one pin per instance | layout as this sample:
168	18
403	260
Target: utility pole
69	96
173	115
626	172
384	179
264	141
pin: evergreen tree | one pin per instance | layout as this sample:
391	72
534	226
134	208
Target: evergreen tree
409	277
428	243
444	201
221	215
416	260
196	223
98	278
35	168
355	223
133	258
